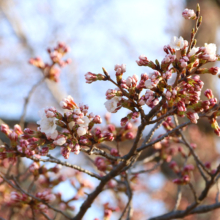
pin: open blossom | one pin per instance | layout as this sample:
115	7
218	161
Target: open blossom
148	84
177	43
81	131
47	125
188	14
209	52
71	124
193	51
83	122
112	104
210	49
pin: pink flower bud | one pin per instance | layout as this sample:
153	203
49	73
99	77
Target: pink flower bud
97	119
128	126
214	70
120	69
65	151
68	103
90	77
108	136
129	135
124	121
114	152
57	168
143	61
5	129
188	168
100	163
44	151
111	128
188	14
193	117
18	130
13	136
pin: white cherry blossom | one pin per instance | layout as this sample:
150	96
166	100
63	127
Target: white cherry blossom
81	131
111	104
177	43
47	125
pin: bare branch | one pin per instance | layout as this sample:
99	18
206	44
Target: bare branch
27	99
163	136
178	199
66	164
18	187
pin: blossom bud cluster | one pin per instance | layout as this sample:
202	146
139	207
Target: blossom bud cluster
149	99
184	174
50	71
47	196
76	126
92	77
18	198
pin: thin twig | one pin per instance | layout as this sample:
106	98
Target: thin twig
18	188
66	164
163	136
178	199
27	99
46	216
33	213
193	191
198	162
129	193
217	194
148	170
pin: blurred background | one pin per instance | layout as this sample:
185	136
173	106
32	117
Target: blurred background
100	33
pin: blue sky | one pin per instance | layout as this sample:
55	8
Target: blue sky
100	34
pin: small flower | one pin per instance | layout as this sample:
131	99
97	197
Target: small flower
60	141
193	117
68	103
148	84
112	104
90	77
120	69
71	124
81	131
177	43
53	135
143	61
189	14
47	125
193	51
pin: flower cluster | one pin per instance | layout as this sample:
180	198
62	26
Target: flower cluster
182	62
76	126
51	71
